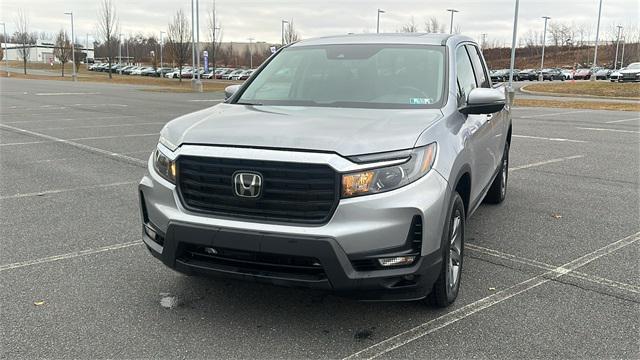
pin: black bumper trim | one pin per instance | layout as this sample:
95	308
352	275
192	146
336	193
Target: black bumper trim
409	283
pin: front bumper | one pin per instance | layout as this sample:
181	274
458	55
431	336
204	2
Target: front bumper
360	229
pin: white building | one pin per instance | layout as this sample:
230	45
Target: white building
41	51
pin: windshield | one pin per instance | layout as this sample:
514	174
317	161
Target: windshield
362	75
634	66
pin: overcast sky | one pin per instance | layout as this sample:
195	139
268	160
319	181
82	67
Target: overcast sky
242	19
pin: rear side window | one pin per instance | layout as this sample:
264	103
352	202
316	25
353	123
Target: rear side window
465	76
480	70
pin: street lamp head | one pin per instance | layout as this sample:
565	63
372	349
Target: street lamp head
381	11
69	13
546	17
453	10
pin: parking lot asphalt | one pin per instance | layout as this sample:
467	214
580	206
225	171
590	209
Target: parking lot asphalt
552	272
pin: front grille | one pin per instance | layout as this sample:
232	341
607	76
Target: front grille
252	262
291	192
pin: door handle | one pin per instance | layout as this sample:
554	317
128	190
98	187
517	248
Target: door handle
489	117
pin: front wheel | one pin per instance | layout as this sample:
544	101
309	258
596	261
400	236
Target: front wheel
445	290
498	190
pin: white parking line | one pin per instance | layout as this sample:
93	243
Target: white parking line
125	158
549	139
554	114
540	265
67	93
69	255
102	126
81	138
623	120
551	161
452	317
49	192
71	119
612	130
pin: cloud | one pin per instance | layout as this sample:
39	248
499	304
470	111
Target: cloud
241	19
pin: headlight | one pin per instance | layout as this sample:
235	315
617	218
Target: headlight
373	181
164	166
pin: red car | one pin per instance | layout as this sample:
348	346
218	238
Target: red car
582	74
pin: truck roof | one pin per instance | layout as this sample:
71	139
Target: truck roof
391	38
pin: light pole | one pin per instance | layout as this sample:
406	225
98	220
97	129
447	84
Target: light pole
483	43
161	46
282	23
198	83
510	90
74	76
544	42
195	52
615	63
250	53
86	51
622	57
453	11
6	54
595	52
120	53
380	11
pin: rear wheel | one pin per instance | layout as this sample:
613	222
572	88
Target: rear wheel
498	190
445	290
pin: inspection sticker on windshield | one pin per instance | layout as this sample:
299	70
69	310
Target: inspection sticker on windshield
420	101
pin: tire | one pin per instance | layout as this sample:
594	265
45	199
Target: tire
498	190
445	291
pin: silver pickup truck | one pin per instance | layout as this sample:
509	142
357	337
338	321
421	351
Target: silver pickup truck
347	163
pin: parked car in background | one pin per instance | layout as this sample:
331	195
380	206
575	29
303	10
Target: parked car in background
223	72
582	74
631	73
568	74
163	70
616	75
552	74
243	75
603	74
528	74
231	75
503	75
150	71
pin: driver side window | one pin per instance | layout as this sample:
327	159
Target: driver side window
465	75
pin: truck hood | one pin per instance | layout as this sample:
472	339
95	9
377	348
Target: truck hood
346	131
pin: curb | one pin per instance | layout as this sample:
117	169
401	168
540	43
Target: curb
552	94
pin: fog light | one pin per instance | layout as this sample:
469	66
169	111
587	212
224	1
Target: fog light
150	232
397	261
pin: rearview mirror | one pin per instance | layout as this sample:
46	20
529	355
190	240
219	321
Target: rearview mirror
230	90
484	101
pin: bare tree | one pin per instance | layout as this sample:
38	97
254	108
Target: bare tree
215	34
290	33
62	49
409	27
23	38
108	28
179	44
433	26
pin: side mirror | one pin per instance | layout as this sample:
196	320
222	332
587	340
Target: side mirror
484	101
230	90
